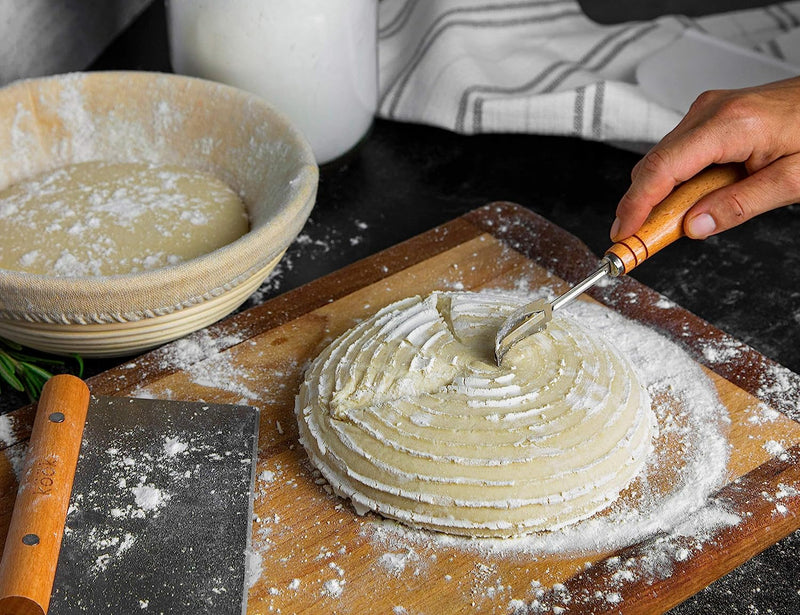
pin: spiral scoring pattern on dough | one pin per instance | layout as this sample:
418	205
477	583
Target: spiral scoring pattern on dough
406	414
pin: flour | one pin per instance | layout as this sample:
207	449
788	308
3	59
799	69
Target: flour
761	413
683	516
784	492
674	524
782	388
144	484
204	360
149	498
15	455
173	446
333	588
105	218
664	303
722	351
395	563
778	386
255	564
7	437
776	449
316	241
461	471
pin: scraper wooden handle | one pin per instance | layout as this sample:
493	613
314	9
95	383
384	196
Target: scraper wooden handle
34	537
664	225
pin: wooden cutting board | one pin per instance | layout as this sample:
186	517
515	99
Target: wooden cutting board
315	554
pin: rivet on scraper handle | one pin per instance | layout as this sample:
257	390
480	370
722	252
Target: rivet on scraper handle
663	226
30	555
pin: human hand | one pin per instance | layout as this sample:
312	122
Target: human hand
759	126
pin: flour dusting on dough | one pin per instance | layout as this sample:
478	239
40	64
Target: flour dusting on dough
408	415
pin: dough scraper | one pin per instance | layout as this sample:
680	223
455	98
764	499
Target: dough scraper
131	506
663	226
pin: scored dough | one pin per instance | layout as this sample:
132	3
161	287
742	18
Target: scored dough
102	218
407	415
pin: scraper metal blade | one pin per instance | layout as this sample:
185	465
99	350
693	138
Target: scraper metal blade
160	511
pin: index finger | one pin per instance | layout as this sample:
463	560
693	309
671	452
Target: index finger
664	167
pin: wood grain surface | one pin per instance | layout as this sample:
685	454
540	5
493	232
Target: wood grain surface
664	224
318	556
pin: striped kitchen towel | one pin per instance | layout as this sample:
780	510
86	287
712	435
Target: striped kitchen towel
542	66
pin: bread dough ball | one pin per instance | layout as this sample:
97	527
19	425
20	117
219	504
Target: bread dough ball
103	218
408	415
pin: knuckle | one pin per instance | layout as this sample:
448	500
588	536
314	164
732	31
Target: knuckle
735	108
655	162
741	114
707	99
628	203
635	170
731	110
734	208
758	160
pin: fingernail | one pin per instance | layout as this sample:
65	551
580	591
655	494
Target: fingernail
614	228
701	226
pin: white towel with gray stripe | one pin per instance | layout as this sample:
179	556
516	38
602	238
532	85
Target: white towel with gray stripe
542	66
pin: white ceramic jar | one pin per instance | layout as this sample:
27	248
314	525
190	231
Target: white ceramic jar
314	60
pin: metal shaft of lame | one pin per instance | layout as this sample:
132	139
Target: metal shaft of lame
532	318
603	270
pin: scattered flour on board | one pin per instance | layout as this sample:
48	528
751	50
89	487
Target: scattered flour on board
722	350
761	413
776	449
333	587
206	361
777	385
664	303
255	565
7	437
781	387
671	526
779	498
395	562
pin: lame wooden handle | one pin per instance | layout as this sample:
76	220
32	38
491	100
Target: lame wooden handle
664	225
34	537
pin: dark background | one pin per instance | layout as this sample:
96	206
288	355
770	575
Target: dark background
615	11
404	179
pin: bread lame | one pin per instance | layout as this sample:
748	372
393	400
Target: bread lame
663	226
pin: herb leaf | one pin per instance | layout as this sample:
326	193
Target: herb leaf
28	371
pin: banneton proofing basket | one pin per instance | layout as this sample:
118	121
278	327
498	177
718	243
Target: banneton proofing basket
159	118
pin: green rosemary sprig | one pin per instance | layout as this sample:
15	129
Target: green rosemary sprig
27	372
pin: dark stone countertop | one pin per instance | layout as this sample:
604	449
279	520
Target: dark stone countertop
405	179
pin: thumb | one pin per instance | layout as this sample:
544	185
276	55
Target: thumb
774	186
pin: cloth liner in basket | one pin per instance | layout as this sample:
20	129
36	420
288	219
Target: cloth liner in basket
166	119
